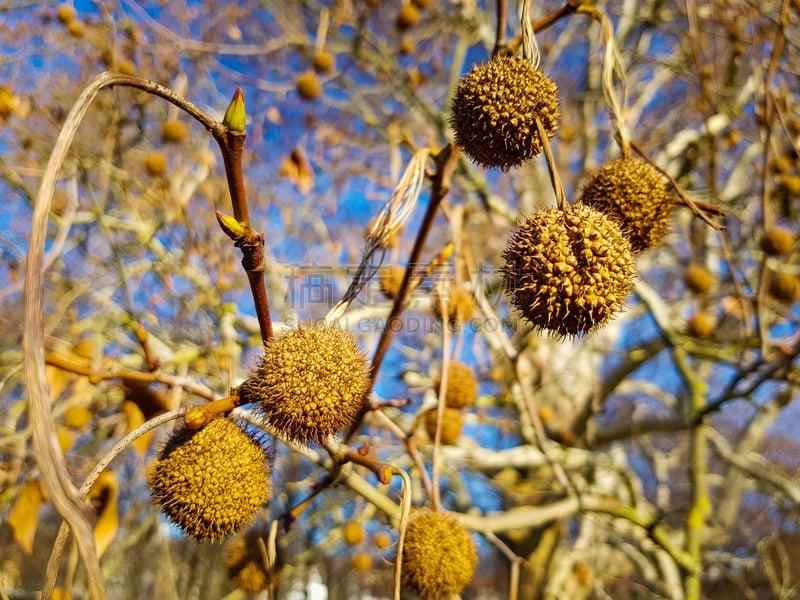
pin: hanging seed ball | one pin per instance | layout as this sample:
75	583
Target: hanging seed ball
382	540
633	192
701	325
323	61
439	556
495	108
390	281
462	385
155	163
777	241
174	131
698	279
244	562
362	561
210	482
308	86
310	383
66	13
353	533
407	17
568	272
784	286
460	305
452	424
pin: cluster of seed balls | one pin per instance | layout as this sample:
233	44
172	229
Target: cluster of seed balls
460	393
568	270
309	385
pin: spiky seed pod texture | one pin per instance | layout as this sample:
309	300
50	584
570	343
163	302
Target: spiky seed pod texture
568	272
310	383
210	482
494	112
462	385
452	424
439	556
244	562
632	191
698	279
777	241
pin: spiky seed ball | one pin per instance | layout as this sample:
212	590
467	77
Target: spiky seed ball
155	163
633	192
324	61
784	286
210	482
174	131
308	86
382	540
701	325
494	112
310	383
777	241
353	533
462	385
439	555
244	562
407	17
698	279
452	424
568	272
362	561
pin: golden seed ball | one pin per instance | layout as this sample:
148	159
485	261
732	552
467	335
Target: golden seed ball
244	562
784	286
210	482
633	192
66	13
324	61
65	437
310	383
777	241
495	108
390	281
462	385
353	533
362	561
791	184
308	86
701	325
77	417
568	272
406	47
698	279
155	163
76	28
174	131
126	67
784	163
439	556
407	17
460	305
452	424
382	540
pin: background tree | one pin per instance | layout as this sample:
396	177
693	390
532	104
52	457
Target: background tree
653	458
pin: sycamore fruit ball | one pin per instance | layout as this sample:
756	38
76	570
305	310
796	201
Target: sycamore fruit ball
210	482
439	556
494	112
310	384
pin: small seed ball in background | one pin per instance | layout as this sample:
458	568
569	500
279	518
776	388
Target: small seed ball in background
452	424
698	279
777	241
494	112
308	86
